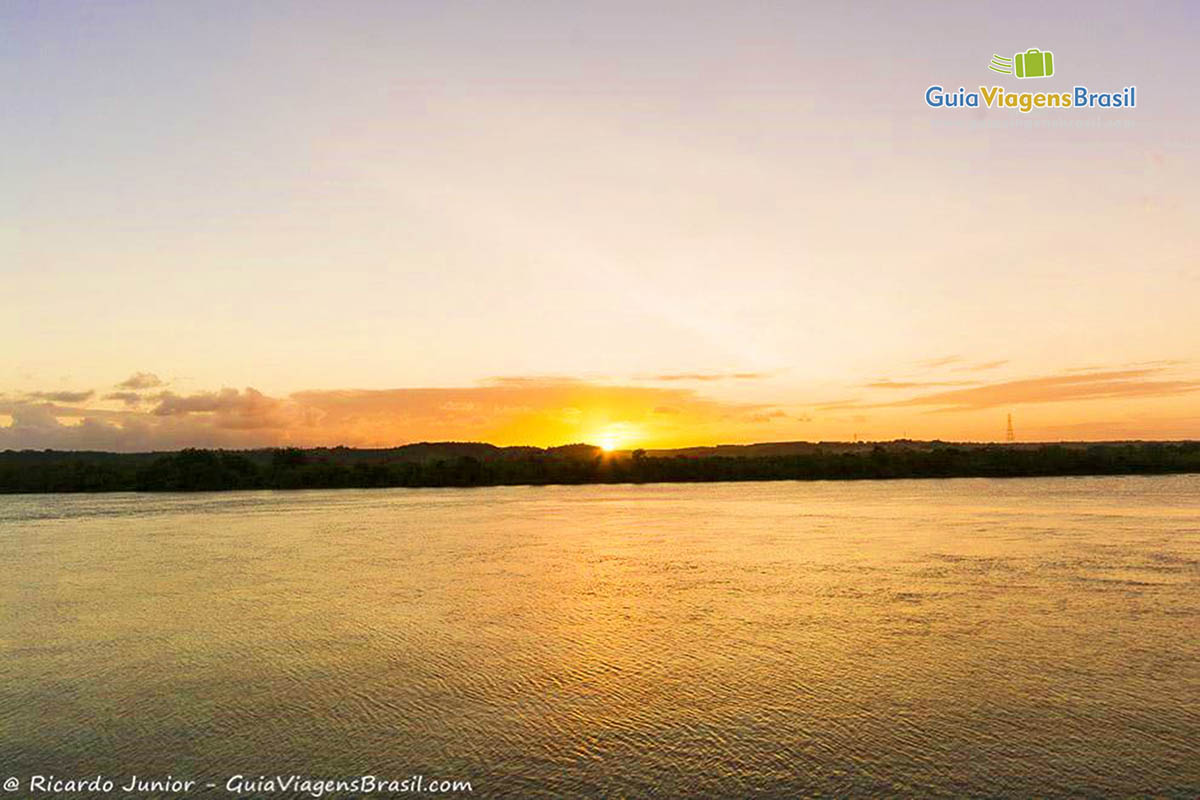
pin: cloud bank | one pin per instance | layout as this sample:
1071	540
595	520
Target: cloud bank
504	411
552	410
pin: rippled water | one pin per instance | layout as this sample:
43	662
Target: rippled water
934	638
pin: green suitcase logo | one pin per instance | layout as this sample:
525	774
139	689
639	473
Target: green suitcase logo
1033	63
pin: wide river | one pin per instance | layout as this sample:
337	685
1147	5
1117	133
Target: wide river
945	638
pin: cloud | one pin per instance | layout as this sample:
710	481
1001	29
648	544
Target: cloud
1052	389
981	366
249	402
50	426
536	410
1165	362
141	380
890	384
231	409
959	365
834	405
710	376
776	413
531	380
540	411
939	362
61	397
128	398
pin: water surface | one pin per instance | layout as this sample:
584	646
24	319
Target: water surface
935	638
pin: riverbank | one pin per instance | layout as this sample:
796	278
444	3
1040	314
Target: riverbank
467	464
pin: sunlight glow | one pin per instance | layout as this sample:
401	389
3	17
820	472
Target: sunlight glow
615	437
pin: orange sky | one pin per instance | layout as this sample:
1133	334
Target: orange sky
652	226
144	412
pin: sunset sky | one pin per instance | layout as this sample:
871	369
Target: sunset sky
654	224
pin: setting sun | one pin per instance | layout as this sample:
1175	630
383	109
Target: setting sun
615	437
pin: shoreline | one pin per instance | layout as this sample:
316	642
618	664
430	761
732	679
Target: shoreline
466	466
298	489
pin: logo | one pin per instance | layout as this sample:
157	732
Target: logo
1033	63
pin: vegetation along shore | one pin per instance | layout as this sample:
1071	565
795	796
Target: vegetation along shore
473	464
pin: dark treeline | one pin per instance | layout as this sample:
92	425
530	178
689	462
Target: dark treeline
291	468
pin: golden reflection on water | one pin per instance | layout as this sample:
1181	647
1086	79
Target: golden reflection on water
937	638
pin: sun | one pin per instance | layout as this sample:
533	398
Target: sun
615	437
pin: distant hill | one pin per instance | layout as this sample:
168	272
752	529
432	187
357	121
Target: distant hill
764	449
421	451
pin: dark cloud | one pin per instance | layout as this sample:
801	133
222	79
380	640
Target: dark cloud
230	408
61	397
128	398
45	425
141	380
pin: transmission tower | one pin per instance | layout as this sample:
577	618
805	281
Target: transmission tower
1009	436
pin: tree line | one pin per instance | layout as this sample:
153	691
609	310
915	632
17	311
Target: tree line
293	468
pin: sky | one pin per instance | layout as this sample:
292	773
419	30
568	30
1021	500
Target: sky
640	224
